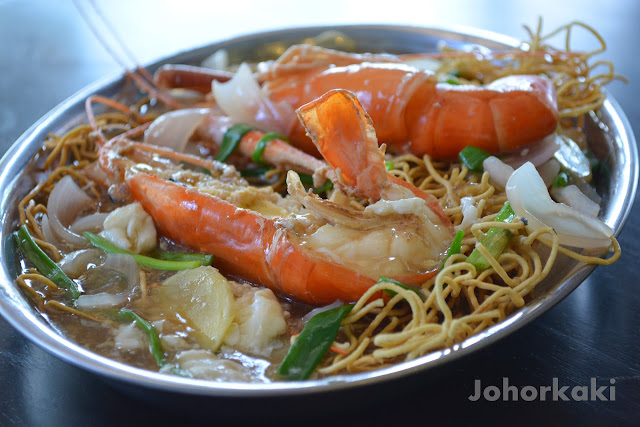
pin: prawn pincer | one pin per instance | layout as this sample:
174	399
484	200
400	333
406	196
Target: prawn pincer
411	111
301	246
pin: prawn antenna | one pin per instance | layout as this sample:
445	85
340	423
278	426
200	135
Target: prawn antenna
105	33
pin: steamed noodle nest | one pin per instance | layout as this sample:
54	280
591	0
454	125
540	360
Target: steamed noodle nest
459	302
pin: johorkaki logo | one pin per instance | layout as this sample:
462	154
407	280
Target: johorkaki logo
592	392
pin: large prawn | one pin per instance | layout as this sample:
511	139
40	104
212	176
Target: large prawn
303	247
410	110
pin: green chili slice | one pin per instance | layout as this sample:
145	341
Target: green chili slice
256	156
456	244
473	157
155	346
45	265
231	140
495	240
402	285
312	344
158	264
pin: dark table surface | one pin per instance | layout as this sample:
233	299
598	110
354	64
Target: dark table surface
47	53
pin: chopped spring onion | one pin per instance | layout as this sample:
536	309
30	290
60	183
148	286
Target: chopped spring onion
253	172
231	140
402	285
204	259
256	156
561	180
388	165
328	185
453	81
456	244
159	264
155	346
473	157
45	265
495	240
307	180
312	344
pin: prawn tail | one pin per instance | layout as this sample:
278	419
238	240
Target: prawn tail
343	133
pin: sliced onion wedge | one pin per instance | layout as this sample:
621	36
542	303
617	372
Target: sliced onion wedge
499	172
173	129
530	199
244	101
65	202
572	196
126	266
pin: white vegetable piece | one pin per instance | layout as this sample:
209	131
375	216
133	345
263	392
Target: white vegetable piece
469	213
173	129
530	199
572	196
131	228
65	202
259	321
203	296
499	172
242	99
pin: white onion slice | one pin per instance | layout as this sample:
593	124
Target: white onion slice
530	199
77	263
219	60
100	300
499	172
173	129
537	153
572	196
469	213
125	265
548	171
93	223
242	99
65	202
319	310
48	233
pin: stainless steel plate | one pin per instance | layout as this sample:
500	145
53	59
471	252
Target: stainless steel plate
610	137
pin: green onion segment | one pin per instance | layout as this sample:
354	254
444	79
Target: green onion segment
307	180
456	244
256	156
312	344
402	285
561	180
473	157
495	240
231	140
155	346
45	265
170	263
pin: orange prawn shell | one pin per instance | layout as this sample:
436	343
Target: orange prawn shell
248	245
